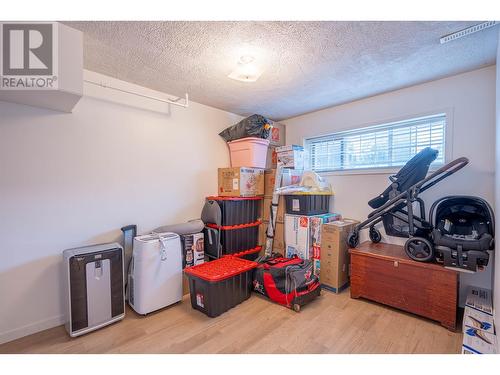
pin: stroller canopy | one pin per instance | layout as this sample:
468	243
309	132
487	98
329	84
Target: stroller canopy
412	172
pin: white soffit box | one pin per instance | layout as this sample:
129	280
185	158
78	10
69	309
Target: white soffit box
41	64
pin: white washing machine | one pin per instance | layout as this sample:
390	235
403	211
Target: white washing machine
155	277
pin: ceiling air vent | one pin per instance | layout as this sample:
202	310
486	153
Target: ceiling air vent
467	31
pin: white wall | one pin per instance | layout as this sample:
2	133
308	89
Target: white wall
69	180
468	98
496	286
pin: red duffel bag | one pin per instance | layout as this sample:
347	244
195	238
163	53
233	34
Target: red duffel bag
287	281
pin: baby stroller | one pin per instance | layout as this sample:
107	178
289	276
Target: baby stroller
395	206
463	231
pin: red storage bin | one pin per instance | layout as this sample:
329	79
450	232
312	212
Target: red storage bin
219	285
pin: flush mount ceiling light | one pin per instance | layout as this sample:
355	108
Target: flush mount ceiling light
246	70
467	31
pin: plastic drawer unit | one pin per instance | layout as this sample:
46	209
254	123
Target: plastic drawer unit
307	204
237	210
219	285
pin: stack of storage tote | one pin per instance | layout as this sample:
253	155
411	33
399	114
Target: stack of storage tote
232	226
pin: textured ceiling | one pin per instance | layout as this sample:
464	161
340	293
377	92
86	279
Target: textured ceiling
306	65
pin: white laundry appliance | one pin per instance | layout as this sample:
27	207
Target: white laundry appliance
94	287
155	276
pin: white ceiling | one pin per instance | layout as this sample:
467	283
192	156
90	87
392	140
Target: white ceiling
307	65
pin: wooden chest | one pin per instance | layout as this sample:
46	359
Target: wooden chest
384	273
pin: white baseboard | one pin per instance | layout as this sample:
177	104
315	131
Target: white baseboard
29	329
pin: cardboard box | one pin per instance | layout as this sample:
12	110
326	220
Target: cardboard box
266	209
262	234
479	299
479	342
193	252
299	231
316	267
279	237
478	320
185	284
271	158
334	254
241	182
289	177
291	156
277	134
316	229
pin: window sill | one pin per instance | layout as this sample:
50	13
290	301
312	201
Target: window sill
371	171
387	171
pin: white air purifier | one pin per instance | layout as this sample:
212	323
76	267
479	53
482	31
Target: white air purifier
155	276
94	287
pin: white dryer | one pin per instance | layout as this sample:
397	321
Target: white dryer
155	276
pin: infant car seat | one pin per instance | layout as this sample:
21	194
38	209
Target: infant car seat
463	231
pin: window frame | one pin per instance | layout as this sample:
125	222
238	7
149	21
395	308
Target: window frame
448	142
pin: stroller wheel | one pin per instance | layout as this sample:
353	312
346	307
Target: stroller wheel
419	249
353	239
375	235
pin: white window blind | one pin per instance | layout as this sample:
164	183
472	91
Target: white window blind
380	146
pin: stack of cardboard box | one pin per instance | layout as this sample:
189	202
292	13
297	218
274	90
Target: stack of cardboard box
478	324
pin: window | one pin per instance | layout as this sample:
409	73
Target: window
381	146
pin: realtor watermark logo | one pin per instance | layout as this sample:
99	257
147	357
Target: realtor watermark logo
29	57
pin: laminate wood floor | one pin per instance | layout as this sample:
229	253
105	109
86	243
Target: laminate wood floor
331	324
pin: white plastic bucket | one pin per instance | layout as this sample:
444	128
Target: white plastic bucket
248	152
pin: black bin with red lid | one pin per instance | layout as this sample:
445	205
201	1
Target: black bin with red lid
237	210
219	285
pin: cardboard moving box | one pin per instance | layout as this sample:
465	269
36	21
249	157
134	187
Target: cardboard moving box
334	274
290	177
241	182
477	319
266	209
302	232
279	237
277	134
479	342
272	157
291	156
479	299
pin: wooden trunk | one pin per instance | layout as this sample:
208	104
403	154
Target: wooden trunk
384	273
